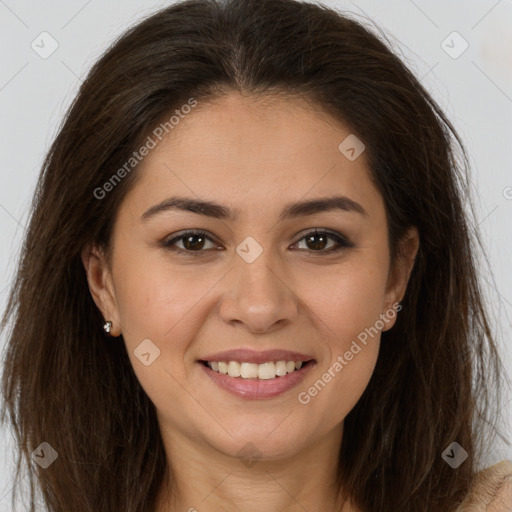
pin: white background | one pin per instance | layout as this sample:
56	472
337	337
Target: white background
475	90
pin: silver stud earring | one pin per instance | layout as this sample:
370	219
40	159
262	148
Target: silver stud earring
107	326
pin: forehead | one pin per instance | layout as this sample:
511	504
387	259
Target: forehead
250	153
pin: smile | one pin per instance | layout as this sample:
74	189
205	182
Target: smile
256	381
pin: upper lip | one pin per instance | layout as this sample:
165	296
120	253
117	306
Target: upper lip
252	356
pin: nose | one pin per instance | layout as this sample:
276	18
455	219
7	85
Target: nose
259	296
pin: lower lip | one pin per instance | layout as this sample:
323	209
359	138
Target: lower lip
256	389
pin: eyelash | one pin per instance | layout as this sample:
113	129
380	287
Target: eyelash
342	242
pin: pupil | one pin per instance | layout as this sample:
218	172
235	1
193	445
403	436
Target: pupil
317	246
189	244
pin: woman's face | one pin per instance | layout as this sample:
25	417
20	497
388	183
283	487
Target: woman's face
259	285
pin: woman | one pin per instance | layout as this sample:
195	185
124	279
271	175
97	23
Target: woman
249	280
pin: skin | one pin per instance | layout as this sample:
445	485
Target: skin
256	156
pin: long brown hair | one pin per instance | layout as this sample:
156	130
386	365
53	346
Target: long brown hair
68	385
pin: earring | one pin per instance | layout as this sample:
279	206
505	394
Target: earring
107	326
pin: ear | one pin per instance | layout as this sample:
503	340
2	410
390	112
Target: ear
99	278
398	276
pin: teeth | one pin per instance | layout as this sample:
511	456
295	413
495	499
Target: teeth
281	368
233	369
248	370
266	371
263	371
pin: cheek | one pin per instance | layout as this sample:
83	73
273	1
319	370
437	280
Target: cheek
348	306
340	379
157	305
347	300
168	306
153	298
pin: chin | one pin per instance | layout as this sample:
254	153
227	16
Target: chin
252	442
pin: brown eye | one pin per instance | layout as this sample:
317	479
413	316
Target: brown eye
317	241
192	241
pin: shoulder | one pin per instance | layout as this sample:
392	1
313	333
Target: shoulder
491	490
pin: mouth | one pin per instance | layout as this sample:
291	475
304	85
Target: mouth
255	381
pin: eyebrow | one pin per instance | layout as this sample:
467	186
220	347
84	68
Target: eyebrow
218	211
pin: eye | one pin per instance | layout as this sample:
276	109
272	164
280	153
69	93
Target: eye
193	241
318	239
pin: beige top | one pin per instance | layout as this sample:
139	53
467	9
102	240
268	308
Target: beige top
491	490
